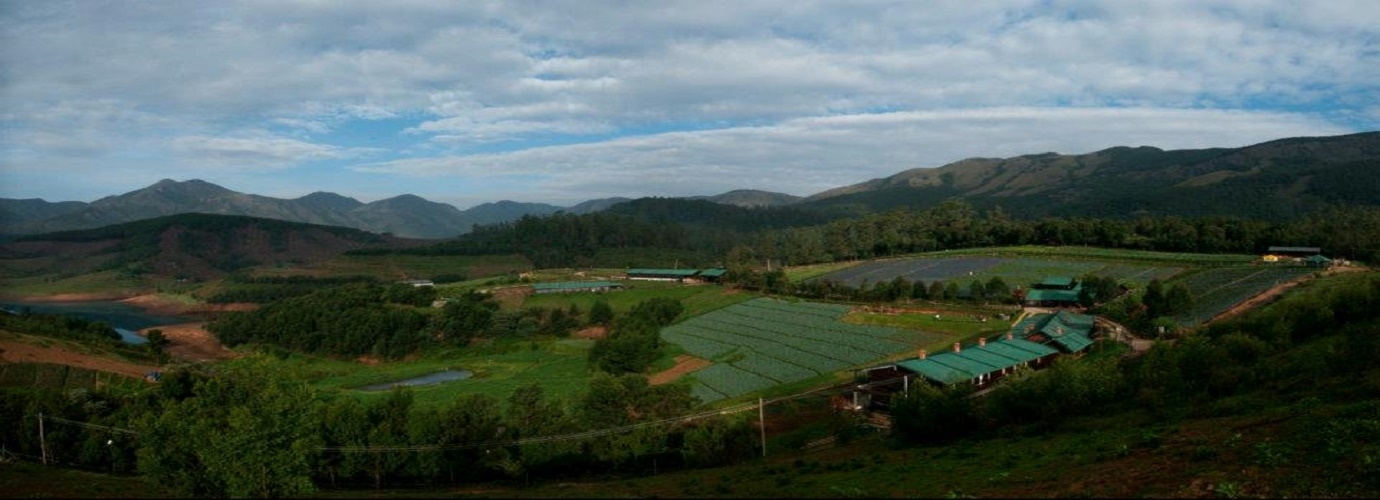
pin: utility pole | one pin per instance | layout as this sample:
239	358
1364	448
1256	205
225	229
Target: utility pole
42	443
762	424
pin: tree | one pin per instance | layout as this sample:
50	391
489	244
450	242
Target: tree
600	313
977	291
998	290
249	431
951	291
1179	300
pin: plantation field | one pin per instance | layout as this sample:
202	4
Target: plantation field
764	342
1014	271
1218	289
559	366
63	377
696	299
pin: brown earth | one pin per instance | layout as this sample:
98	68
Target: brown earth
14	351
685	363
191	342
593	332
165	306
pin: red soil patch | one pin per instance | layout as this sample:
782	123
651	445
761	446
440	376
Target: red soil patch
685	363
191	342
164	306
19	352
366	360
72	297
593	332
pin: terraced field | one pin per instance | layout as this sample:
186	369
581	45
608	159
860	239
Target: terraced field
765	342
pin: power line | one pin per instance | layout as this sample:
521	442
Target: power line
517	442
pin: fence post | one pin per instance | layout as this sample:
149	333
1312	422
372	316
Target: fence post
42	442
762	423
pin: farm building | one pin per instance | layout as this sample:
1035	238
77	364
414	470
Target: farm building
1294	251
1318	261
1053	292
981	364
417	282
1066	331
712	275
574	286
661	274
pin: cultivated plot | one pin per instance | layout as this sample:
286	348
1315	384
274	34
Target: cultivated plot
1014	271
766	342
1216	290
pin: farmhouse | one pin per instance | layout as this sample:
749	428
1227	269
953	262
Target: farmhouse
1066	331
1057	291
981	364
1294	251
712	275
574	286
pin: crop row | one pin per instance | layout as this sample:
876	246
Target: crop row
1216	290
753	345
826	339
787	323
730	380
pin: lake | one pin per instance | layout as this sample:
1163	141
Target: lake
124	318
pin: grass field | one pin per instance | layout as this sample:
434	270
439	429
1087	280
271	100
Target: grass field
104	282
558	365
399	267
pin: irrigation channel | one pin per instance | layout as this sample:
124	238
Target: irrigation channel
434	378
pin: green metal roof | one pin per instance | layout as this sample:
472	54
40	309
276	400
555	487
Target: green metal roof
672	272
950	367
1020	350
713	273
575	285
1060	281
1055	295
1318	258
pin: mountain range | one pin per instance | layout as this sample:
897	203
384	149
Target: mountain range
1284	178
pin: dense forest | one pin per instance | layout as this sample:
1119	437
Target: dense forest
609	240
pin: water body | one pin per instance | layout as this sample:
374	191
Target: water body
434	378
126	319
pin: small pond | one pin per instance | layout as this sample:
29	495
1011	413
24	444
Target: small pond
434	378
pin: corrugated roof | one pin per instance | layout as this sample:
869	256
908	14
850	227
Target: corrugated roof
575	285
672	272
1296	249
950	367
1056	281
713	273
1055	295
1020	349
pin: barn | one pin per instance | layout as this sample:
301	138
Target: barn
982	365
574	287
1057	291
1066	331
650	274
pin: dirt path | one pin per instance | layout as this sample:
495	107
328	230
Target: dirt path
685	363
19	352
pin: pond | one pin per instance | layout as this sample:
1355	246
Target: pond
126	319
434	378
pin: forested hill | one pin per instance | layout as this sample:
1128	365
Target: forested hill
1280	179
185	245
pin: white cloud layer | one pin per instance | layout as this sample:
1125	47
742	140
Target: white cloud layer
568	97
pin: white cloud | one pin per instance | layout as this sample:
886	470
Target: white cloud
86	85
255	152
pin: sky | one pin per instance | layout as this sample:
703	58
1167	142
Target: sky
561	102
